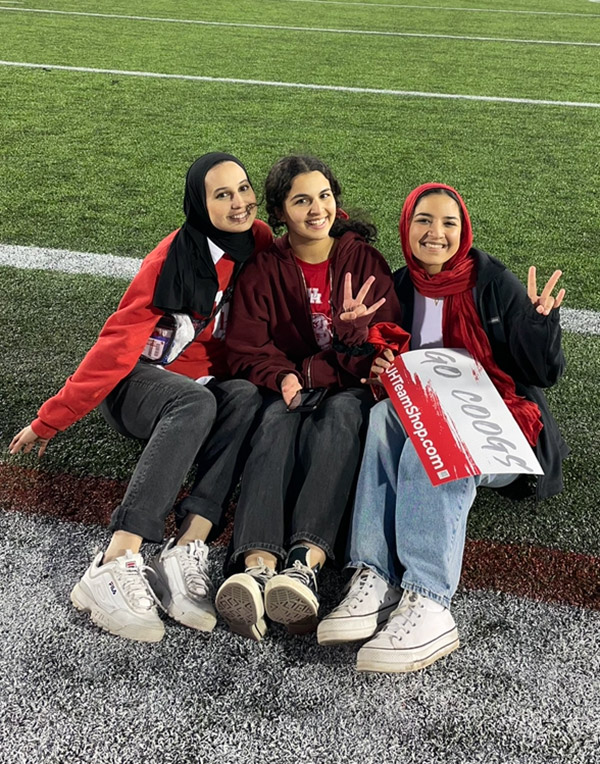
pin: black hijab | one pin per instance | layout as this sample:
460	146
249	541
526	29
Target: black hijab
188	281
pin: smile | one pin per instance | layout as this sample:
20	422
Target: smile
317	223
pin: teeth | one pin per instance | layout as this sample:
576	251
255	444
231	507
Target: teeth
317	222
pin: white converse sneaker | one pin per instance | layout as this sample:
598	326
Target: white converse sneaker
418	633
181	582
240	600
119	598
368	603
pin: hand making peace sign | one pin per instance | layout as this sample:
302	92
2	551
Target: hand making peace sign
544	302
354	307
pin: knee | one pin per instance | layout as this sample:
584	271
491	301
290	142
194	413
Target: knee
245	394
196	405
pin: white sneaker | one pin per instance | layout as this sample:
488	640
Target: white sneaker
119	598
368	603
181	582
418	633
240	600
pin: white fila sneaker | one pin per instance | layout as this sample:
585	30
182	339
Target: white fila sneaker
119	598
181	582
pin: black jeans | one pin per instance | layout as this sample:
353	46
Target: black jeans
300	473
183	423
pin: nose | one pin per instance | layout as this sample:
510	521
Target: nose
436	229
236	200
316	208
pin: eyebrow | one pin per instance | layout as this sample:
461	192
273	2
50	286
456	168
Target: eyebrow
429	215
226	188
299	196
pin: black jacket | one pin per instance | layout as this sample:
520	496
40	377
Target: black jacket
526	345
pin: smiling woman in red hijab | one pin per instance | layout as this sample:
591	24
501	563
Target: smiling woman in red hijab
408	535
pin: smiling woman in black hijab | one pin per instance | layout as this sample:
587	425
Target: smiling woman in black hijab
159	373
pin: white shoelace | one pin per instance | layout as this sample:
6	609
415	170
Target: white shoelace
261	573
134	584
357	589
193	563
303	573
404	618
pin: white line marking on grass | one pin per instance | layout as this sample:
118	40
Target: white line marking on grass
305	86
112	266
324	30
445	8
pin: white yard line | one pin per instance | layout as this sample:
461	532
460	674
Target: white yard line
66	261
325	30
306	86
461	9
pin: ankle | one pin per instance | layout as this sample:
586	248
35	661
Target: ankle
257	558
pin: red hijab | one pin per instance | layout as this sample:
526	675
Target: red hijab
461	325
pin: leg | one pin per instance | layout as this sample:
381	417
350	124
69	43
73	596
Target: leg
325	483
259	517
220	460
373	534
174	415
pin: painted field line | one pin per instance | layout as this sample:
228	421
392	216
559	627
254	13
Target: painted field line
320	30
66	261
461	9
305	86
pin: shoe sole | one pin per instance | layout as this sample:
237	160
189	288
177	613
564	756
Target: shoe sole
382	661
83	602
242	609
336	631
290	603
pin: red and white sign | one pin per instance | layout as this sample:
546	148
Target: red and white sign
455	417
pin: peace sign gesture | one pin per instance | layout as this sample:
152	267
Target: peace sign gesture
354	307
544	302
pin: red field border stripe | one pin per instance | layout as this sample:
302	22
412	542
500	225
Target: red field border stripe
547	575
304	85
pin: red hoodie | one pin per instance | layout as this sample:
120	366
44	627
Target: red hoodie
270	332
120	344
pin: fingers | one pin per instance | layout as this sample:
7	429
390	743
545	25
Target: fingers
364	290
547	291
531	284
43	447
559	298
374	307
388	355
290	385
348	300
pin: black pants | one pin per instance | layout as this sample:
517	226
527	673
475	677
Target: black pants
183	423
300	473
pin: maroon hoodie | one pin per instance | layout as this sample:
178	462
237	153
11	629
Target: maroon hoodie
270	331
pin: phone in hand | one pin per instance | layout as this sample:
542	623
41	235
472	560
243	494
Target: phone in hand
307	399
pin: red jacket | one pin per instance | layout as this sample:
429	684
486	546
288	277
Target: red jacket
270	330
120	344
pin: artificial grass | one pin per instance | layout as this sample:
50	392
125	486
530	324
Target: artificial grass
448	66
97	163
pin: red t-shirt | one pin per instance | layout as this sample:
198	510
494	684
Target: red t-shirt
318	292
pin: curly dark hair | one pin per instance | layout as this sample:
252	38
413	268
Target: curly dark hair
279	182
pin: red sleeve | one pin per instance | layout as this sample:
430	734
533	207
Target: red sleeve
113	355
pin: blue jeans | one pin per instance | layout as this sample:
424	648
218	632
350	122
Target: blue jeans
183	423
405	529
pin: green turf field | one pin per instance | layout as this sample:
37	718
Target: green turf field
95	162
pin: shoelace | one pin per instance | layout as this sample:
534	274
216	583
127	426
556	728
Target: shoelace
193	565
135	586
261	573
405	617
356	591
303	573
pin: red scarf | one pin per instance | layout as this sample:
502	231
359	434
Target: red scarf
461	325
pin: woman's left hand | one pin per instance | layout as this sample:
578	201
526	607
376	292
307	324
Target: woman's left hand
354	307
545	302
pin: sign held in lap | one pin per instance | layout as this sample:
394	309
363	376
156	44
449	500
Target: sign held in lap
455	417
